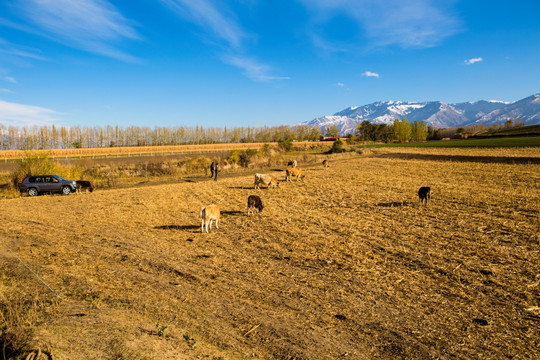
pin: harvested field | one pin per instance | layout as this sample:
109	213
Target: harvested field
346	264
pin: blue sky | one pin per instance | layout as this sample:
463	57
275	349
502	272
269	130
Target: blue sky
233	63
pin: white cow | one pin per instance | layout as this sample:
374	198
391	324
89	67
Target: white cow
265	179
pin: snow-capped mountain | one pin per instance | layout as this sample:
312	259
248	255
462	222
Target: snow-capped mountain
435	113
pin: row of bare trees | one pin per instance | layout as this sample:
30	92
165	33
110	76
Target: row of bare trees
63	137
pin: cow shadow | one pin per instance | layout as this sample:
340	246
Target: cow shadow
231	212
177	227
394	204
241	187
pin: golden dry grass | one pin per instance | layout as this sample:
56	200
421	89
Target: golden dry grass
345	264
155	150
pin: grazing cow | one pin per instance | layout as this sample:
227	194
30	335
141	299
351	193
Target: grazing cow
254	204
290	172
424	193
264	179
325	164
292	163
208	215
83	185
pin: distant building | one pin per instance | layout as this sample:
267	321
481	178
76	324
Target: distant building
333	138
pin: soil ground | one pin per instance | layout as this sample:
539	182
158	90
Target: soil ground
346	264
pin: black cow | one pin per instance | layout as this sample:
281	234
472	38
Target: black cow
424	193
254	203
83	185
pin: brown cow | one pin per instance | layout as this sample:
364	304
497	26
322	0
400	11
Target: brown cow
208	215
254	204
290	172
325	164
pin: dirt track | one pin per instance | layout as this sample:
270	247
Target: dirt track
344	265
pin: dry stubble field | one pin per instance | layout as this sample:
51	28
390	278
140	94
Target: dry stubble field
345	265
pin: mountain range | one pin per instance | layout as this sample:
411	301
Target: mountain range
435	113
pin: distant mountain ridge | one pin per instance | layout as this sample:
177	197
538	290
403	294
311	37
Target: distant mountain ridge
435	113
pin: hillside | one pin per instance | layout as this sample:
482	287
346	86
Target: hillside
343	265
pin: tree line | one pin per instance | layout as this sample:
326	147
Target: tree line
63	137
398	131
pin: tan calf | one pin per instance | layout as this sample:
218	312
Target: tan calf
290	172
208	215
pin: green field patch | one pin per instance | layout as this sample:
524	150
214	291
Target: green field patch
472	143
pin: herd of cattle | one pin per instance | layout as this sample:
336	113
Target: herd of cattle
211	213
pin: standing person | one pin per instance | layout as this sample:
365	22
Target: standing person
217	169
212	169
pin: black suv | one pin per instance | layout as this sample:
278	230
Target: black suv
34	185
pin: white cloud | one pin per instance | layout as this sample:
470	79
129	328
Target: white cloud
10	79
409	24
26	115
90	25
370	74
473	60
252	68
4	90
340	84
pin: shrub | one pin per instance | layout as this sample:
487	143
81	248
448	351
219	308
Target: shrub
266	150
337	147
234	157
285	144
246	156
197	164
35	164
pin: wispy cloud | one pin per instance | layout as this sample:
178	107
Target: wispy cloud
221	24
7	91
409	24
326	45
252	68
19	51
473	60
340	84
26	115
90	25
206	14
10	79
371	74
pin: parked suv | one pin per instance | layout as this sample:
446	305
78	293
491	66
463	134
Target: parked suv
34	185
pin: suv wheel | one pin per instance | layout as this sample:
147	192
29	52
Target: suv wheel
66	190
32	192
